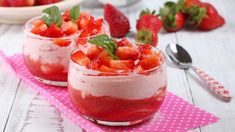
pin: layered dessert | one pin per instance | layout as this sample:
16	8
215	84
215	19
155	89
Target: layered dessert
116	82
51	38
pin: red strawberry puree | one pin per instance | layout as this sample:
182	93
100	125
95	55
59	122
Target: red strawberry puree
127	98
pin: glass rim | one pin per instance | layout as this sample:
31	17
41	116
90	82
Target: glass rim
96	72
28	25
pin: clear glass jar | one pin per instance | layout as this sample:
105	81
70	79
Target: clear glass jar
47	61
117	100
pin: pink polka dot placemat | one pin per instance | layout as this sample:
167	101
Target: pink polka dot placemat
175	113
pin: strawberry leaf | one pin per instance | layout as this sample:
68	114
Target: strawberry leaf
107	43
52	15
147	11
75	13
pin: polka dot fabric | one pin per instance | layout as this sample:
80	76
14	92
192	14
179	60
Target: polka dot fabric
175	115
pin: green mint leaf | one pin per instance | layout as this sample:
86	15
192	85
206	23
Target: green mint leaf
107	43
75	13
52	15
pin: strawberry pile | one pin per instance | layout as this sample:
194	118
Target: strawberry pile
113	57
148	25
193	14
172	17
53	24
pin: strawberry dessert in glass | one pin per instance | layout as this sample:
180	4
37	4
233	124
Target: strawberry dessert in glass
49	41
117	83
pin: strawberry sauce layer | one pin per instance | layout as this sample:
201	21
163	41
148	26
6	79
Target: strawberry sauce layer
55	72
107	108
46	60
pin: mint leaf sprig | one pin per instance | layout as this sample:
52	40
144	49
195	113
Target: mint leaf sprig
107	43
74	13
52	15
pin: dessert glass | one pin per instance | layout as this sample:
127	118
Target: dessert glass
47	61
117	100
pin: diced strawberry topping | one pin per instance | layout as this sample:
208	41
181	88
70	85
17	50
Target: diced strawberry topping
62	42
53	31
105	60
124	42
69	28
104	68
149	63
39	27
82	41
38	23
146	53
122	64
66	15
94	51
126	58
83	20
80	58
127	53
89	27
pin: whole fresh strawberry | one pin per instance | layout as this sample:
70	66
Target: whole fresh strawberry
202	15
148	20
146	36
212	19
173	20
118	22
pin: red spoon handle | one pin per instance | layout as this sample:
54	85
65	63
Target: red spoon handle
213	84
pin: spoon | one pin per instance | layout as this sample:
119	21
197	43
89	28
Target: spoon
183	60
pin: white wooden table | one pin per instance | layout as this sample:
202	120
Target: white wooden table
22	109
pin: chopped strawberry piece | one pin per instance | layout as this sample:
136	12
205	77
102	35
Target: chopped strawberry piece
146	53
82	41
39	29
66	16
84	33
105	60
83	20
94	51
55	31
94	65
38	23
122	64
69	28
127	53
62	42
145	47
124	42
80	58
104	68
94	26
149	63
